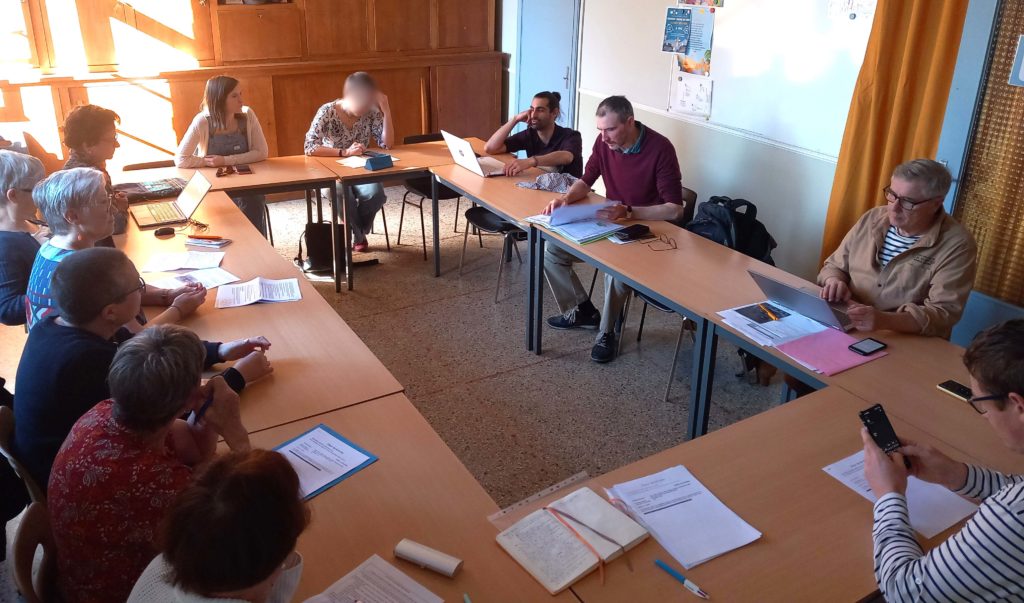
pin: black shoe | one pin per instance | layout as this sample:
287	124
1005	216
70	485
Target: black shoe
604	350
580	317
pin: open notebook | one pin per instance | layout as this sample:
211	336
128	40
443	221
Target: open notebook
555	554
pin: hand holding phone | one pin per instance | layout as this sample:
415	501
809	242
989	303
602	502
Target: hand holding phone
881	430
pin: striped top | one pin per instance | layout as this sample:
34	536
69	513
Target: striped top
984	561
894	244
40	304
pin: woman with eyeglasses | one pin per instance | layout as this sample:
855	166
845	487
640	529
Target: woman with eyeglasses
19	237
906	266
80	213
90	133
226	133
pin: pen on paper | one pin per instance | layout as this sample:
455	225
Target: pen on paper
765	309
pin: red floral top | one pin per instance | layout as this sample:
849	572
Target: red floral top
108	493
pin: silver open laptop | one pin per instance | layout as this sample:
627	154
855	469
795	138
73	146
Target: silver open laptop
808	303
462	153
173	212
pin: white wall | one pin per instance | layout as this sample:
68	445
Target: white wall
790	189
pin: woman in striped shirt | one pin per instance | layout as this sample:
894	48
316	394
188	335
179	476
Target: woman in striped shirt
984	561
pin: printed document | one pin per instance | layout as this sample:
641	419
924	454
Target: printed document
258	290
770	333
684	516
184	260
578	212
209	278
358	161
322	458
376	581
933	509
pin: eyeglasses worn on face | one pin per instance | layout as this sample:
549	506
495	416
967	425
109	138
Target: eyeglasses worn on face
141	287
906	203
974	402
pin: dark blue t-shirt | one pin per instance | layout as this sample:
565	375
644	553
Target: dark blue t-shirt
562	139
17	252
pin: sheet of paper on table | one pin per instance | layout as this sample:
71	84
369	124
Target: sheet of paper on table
321	457
772	332
209	278
258	290
376	581
933	509
358	161
183	260
684	516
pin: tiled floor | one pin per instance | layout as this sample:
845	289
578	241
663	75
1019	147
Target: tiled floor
519	422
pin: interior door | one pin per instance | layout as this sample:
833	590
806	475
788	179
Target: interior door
548	42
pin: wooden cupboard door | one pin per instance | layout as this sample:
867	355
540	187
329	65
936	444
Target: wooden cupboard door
465	23
406	90
96	19
176	26
337	27
467	98
297	98
401	25
248	33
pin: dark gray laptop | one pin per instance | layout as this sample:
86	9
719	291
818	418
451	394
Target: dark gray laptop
808	303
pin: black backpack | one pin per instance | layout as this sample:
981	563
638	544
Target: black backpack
734	223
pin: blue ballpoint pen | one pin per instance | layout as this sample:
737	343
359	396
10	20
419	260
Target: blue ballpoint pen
690	586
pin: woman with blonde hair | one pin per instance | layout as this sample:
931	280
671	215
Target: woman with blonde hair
226	133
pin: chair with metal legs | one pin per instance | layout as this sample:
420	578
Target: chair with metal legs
421	187
487	221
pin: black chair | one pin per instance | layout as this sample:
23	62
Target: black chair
487	221
166	163
420	187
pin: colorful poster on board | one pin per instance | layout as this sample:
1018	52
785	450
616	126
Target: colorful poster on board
677	30
703	2
697	58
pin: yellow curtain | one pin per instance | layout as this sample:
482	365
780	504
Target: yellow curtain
989	200
898	104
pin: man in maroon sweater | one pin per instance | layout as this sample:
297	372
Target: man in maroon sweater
641	172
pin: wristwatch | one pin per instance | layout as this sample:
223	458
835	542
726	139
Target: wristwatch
629	212
341	152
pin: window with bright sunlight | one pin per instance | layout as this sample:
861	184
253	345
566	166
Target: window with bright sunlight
15	39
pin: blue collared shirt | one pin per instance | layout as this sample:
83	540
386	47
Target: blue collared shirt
633	150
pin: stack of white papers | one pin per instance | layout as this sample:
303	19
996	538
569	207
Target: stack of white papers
578	222
213	243
258	290
209	278
358	161
683	516
376	581
184	260
933	509
765	331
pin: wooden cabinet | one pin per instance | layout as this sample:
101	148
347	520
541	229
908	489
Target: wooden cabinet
465	24
402	25
258	32
467	98
337	27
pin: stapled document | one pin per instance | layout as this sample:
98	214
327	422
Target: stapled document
184	260
376	581
209	278
258	290
322	457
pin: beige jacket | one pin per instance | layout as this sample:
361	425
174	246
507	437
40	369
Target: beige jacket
931	280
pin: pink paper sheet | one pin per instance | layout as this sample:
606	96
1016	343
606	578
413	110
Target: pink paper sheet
827	351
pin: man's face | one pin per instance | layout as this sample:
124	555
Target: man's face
1008	423
614	133
540	116
915	220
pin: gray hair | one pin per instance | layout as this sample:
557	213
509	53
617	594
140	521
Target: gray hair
931	174
153	375
619	105
68	189
20	171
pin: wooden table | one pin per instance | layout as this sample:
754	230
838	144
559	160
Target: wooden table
320	364
419	490
816	542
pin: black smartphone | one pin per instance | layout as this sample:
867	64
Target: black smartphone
633	232
867	347
956	389
243	169
880	428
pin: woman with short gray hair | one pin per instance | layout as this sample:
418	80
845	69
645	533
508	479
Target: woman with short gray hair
19	237
79	210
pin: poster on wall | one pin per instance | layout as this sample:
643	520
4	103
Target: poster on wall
703	2
697	58
690	95
850	9
677	30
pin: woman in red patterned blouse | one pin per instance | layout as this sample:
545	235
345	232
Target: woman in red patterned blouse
126	460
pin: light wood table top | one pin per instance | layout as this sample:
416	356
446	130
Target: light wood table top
499	193
293	170
419	157
320	364
417	489
816	542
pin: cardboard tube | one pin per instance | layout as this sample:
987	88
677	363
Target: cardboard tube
428	558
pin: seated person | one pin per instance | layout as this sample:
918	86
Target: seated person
983	561
216	540
126	461
19	238
90	132
546	143
342	128
63	368
908	266
640	171
226	132
77	207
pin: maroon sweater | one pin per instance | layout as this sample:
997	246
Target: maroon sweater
650	177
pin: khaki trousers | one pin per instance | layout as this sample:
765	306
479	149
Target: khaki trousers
570	293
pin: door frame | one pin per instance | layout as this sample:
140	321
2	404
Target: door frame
967	91
573	75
